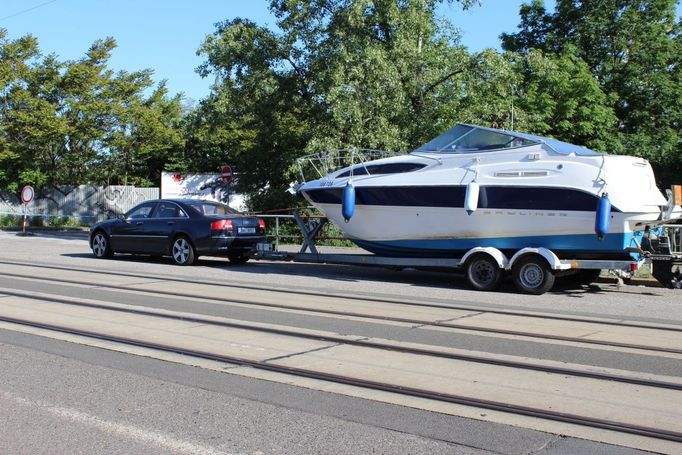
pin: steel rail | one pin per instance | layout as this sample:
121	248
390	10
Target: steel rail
586	421
469	328
615	323
366	344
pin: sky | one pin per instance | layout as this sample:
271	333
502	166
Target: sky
164	35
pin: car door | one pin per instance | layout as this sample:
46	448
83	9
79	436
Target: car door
130	235
162	225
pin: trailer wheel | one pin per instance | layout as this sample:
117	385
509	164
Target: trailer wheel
532	275
483	272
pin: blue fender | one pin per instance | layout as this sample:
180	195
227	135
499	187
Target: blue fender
348	202
602	218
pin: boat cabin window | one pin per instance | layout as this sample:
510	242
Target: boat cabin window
467	139
376	169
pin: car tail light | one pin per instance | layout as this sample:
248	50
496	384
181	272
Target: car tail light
221	225
261	224
633	267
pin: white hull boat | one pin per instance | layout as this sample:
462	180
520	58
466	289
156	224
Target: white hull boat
482	187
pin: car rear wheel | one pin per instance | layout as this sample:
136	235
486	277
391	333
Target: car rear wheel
182	251
238	258
100	246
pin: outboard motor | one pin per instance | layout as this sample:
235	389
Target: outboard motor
602	218
348	202
471	197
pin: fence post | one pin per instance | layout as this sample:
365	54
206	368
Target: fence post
277	233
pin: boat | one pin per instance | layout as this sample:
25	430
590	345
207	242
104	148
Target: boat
475	186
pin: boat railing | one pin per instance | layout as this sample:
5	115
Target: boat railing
318	165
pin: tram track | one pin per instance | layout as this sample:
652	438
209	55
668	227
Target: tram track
360	342
346	296
351	314
529	411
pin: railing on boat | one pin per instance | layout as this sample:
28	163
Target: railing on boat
327	161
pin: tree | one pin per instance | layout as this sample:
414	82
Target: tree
77	121
632	48
338	74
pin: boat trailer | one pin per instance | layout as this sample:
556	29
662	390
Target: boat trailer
484	266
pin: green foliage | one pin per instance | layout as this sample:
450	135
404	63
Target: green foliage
10	221
78	122
64	222
633	49
382	74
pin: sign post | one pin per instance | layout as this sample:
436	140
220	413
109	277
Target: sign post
27	195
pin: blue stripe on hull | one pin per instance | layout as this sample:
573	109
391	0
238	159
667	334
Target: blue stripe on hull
562	245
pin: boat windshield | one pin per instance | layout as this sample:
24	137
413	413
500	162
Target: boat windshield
467	139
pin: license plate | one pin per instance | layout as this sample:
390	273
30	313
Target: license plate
246	230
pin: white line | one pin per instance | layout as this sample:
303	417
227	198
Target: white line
160	440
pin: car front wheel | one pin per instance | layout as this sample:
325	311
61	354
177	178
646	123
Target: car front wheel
182	251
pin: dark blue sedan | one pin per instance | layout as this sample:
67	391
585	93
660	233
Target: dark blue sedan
183	229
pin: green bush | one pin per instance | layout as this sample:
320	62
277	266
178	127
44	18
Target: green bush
62	222
10	221
55	221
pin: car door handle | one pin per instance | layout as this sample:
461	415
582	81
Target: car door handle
139	223
171	223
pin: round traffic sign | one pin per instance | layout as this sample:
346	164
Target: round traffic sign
27	194
226	173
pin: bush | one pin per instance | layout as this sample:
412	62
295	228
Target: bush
10	221
65	222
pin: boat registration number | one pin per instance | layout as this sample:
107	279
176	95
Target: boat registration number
246	230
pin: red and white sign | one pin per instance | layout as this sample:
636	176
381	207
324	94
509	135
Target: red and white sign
27	194
226	173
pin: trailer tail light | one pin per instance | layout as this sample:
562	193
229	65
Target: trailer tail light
261	224
221	225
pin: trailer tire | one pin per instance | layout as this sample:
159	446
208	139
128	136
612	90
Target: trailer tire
532	275
483	273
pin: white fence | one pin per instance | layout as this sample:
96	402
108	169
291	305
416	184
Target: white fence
86	202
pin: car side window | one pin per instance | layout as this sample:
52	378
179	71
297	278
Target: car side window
168	210
142	211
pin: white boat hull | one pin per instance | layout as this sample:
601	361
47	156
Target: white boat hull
428	231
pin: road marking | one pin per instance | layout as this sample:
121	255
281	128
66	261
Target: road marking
161	440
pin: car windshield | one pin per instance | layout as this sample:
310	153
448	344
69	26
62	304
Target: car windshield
211	208
467	139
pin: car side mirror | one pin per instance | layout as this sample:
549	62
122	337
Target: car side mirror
122	217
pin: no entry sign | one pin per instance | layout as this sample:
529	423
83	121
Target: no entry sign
27	194
226	173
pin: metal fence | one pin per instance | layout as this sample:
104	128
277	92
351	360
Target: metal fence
84	202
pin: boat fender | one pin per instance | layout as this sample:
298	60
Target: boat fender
348	202
471	197
602	218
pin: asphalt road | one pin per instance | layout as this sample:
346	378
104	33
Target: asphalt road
61	397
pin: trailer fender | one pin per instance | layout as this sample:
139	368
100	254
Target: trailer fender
551	258
496	254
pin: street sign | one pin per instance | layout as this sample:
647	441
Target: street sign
27	194
226	173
